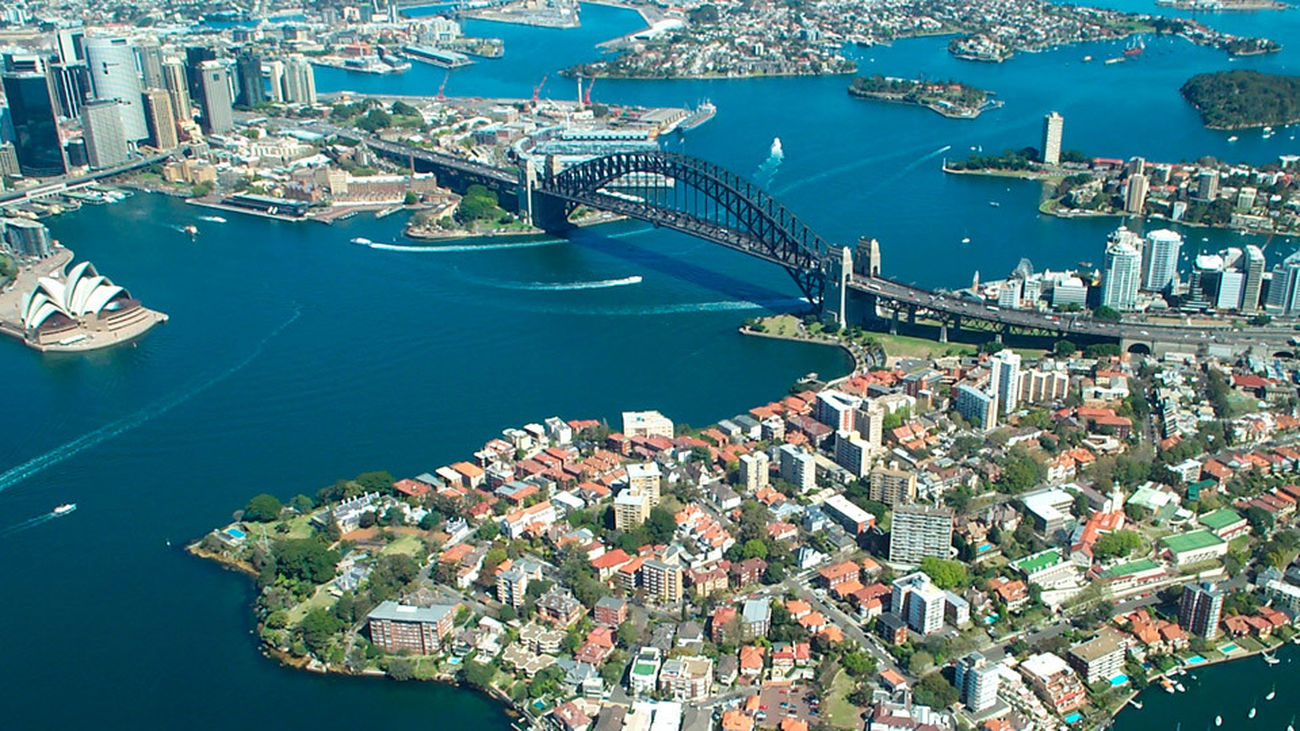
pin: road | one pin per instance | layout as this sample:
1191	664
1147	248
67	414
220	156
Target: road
1066	324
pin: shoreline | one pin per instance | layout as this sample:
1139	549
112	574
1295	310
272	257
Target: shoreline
936	107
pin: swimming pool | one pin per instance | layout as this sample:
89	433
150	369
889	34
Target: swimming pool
1230	647
1073	718
1194	660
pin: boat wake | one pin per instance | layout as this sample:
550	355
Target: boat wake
767	170
40	463
831	172
458	248
687	308
212	219
26	524
566	286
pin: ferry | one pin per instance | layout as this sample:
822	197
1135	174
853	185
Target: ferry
701	114
362	241
63	509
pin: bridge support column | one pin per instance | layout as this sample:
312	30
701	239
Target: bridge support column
911	314
943	332
997	337
893	323
549	213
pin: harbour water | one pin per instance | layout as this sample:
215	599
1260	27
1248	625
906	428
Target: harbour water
293	357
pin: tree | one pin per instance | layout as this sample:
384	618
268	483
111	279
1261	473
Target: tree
318	627
410	198
858	664
1118	544
661	525
1105	313
754	548
479	674
945	574
935	691
305	559
401	668
263	508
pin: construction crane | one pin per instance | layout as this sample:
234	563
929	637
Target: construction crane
586	96
443	85
537	90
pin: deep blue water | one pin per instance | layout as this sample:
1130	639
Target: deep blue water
293	357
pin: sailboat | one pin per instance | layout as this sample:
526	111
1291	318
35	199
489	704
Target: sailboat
1218	720
1252	710
1271	694
1291	726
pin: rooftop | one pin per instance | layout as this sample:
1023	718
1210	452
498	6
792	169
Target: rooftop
1220	519
1192	541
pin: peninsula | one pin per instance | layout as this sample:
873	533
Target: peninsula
53	309
1242	99
949	98
742	40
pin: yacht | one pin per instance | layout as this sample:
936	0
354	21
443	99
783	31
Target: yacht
1232	138
63	509
362	241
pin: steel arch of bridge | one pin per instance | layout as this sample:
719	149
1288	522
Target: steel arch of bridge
705	200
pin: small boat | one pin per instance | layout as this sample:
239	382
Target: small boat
1086	59
212	219
63	509
362	241
1232	138
1252	712
1291	725
1118	59
1270	659
1134	702
1271	694
1167	684
1218	720
1179	687
994	204
191	229
965	240
1267	132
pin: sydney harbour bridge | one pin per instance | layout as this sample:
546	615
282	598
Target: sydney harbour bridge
843	283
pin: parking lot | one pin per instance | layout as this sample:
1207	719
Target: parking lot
778	702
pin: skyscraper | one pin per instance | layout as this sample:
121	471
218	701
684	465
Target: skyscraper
70	46
36	131
1135	193
194	58
161	119
177	88
1004	368
1053	126
1200	609
248	68
1284	291
920	531
274	79
150	57
299	80
1253	268
1161	253
105	138
215	103
1120	277
113	76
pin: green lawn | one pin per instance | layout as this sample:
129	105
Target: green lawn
904	346
784	325
321	599
405	543
839	712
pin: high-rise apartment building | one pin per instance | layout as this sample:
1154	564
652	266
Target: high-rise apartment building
1253	284
869	421
1200	609
977	406
798	467
1004	379
852	452
248	69
892	486
1122	272
920	531
1161	260
1053	127
1135	194
754	470
977	682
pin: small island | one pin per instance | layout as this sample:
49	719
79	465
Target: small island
950	98
1243	99
1222	5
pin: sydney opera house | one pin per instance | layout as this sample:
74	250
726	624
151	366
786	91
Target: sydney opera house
78	309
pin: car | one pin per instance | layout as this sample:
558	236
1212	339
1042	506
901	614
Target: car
760	716
762	708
